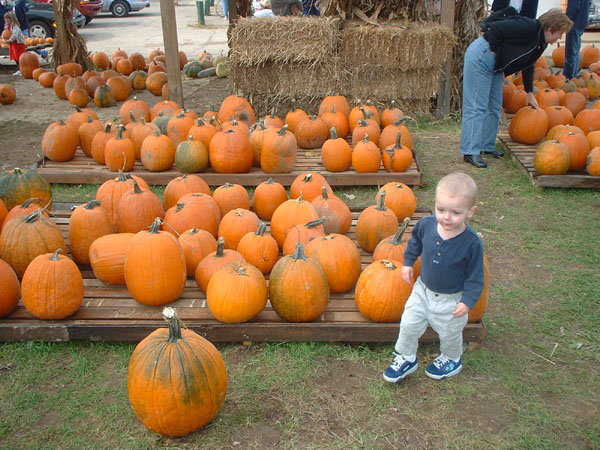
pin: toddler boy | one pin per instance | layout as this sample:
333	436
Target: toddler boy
450	283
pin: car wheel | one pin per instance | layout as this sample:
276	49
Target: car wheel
119	9
39	29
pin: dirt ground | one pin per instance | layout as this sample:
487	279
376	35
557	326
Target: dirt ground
22	124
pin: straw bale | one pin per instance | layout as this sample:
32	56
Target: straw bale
264	103
285	40
406	46
378	11
387	83
291	79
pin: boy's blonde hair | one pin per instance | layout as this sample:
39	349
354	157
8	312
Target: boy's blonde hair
12	16
555	20
458	184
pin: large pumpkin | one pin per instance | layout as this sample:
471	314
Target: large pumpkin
278	152
88	222
18	185
10	288
381	293
60	141
137	210
259	249
176	380
529	125
268	195
235	224
155	270
230	152
223	292
289	213
52	286
111	191
28	62
552	158
237	107
289	302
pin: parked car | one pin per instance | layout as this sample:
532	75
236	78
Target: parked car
89	8
594	15
41	18
121	8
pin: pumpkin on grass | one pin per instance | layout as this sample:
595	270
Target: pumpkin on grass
107	257
155	270
52	286
223	292
381	293
289	302
176	379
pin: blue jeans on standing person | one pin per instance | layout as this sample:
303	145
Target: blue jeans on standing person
225	8
482	99
572	48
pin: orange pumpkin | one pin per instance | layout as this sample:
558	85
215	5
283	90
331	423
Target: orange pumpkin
336	214
137	210
579	148
28	62
8	94
259	249
278	151
155	270
235	224
119	152
10	288
182	185
289	213
309	185
593	162
374	224
107	257
397	157
336	154
552	158
213	262
230	152
111	191
237	107
311	132
337	102
196	244
59	142
294	116
52	287
529	125
399	198
268	195
157	152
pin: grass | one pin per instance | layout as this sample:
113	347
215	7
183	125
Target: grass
534	383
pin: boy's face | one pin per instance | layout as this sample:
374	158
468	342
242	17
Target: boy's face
452	212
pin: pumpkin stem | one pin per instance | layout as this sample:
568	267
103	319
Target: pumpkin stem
156	132
272	113
136	187
333	133
366	139
220	247
364	111
261	228
361	123
270	181
28	202
381	206
307	178
228	185
33	216
397	239
392	104
107	127
313	117
155	227
299	252
122	177
131	117
90	120
240	270
120	132
282	130
389	265
179	206
54	256
170	315
92	204
314	223
398	139
293	103
324	193
332	109
400	121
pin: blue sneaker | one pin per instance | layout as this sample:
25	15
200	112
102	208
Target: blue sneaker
443	367
399	369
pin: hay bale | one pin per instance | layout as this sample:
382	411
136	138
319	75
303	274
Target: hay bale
285	40
390	83
264	103
291	79
406	46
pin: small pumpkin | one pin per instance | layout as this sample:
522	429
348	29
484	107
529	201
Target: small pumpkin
107	257
182	185
366	157
235	224
10	288
259	249
8	94
593	162
309	185
289	213
374	224
552	158
231	196
268	195
196	244
213	262
104	96
336	154
397	157
336	214
399	198
60	141
294	116
157	152
88	222
278	152
119	152
137	210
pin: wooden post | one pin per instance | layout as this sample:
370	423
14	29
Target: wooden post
445	88
169	26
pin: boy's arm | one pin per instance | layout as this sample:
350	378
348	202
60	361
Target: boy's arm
475	281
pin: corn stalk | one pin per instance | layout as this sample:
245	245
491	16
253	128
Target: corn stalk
69	46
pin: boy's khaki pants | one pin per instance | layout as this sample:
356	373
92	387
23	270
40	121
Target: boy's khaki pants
427	307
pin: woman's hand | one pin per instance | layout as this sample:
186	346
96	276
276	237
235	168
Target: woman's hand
531	100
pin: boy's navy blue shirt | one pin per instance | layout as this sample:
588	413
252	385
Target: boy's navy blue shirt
448	266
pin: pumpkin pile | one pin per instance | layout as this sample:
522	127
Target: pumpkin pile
570	130
230	140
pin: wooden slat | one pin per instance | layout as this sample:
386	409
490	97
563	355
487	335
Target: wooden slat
84	170
524	154
109	313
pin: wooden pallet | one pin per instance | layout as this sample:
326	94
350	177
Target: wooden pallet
84	170
523	155
108	313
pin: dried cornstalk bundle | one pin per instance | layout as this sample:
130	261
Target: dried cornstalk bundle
467	15
402	45
285	40
387	83
374	12
68	46
291	79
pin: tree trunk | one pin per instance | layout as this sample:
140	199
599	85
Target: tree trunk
69	46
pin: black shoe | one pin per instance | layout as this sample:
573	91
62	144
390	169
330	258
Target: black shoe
476	160
493	153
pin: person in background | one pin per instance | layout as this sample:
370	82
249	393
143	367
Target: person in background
525	8
577	11
508	45
4	8
21	9
17	41
225	6
262	8
309	8
285	7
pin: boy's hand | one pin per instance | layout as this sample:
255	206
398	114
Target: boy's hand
461	310
407	274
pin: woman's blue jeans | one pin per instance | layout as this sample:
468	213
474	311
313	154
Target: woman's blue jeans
572	47
482	99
